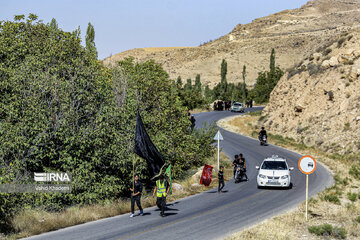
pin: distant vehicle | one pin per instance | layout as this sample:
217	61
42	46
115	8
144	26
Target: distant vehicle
237	107
274	172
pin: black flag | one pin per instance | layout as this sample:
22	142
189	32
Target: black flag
146	149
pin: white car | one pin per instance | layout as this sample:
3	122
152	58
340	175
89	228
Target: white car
237	107
274	172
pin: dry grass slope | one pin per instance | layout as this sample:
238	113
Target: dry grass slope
294	34
338	205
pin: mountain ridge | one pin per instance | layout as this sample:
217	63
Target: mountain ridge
294	34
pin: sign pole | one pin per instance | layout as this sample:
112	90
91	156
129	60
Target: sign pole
307	166
307	196
218	154
218	137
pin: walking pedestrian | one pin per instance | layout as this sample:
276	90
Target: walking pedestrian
162	190
136	195
221	179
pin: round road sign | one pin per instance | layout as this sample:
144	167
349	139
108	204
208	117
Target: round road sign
307	164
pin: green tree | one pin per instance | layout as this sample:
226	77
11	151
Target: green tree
90	40
221	89
208	94
266	81
179	82
188	85
62	111
272	60
244	91
19	17
223	71
53	24
197	86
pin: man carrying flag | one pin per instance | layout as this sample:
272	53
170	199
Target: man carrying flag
162	190
145	148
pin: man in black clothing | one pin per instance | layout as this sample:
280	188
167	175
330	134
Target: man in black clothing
136	195
221	179
262	133
243	166
236	161
192	120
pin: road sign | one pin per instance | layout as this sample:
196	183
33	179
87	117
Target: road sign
307	165
218	136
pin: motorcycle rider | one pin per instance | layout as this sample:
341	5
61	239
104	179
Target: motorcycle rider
262	133
235	162
242	164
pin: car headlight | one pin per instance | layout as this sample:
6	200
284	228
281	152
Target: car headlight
285	177
262	176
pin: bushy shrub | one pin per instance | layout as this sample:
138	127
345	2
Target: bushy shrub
355	171
328	230
314	68
321	230
352	196
332	198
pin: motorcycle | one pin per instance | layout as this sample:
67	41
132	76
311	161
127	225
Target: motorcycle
262	140
240	174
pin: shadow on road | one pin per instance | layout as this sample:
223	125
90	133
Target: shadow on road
167	209
169	214
211	192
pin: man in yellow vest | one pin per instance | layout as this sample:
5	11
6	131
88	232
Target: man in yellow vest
161	190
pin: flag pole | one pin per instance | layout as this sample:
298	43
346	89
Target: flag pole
133	180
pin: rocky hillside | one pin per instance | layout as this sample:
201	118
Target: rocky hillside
293	33
318	102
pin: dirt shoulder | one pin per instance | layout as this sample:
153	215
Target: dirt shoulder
333	213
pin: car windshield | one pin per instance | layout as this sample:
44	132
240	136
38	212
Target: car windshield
274	165
237	105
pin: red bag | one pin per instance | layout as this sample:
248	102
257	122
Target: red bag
206	175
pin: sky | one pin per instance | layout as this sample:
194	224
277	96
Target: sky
121	25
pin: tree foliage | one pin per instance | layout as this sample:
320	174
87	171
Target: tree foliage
266	81
90	40
62	111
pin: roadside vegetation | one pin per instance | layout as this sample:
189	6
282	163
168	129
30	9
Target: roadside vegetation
197	96
30	222
61	110
333	213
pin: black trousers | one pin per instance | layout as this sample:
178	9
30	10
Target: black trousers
221	184
161	203
138	203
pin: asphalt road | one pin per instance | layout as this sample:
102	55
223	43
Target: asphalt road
210	215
